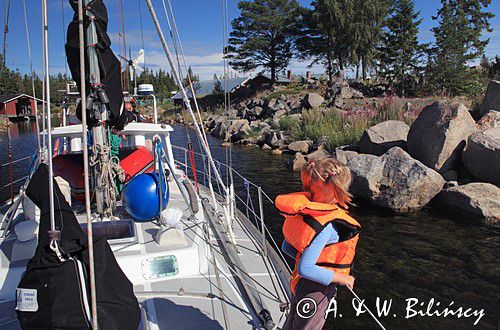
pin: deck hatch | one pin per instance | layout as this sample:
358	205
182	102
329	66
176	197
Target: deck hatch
160	267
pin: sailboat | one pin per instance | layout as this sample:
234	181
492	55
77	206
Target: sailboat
192	255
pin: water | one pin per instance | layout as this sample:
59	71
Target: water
425	255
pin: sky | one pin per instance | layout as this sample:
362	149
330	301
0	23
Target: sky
199	23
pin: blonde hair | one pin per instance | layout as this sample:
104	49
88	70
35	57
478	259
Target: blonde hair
328	181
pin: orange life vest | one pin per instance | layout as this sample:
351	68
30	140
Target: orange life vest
304	220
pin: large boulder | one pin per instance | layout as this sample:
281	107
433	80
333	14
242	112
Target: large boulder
377	139
489	120
491	99
343	155
301	146
479	200
254	113
313	100
240	131
221	126
394	180
482	155
438	135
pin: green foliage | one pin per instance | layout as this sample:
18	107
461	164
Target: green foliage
218	88
458	43
338	129
337	33
163	82
400	52
263	35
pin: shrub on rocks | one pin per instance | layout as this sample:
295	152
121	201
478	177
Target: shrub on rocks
438	135
394	180
479	200
482	155
377	139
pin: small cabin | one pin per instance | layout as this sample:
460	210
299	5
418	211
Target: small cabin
18	105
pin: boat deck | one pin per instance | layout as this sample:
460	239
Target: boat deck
208	290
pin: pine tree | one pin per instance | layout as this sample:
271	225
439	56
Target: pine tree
263	35
366	31
400	52
335	19
218	89
314	41
458	44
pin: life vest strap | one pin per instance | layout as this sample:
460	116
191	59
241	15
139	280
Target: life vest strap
313	223
331	265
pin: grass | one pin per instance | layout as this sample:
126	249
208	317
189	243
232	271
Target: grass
291	89
342	128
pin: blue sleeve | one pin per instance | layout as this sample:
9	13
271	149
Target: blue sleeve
289	249
307	266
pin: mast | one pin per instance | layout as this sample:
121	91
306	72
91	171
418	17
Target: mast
104	200
83	94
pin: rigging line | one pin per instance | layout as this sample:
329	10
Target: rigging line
253	283
124	44
204	135
182	90
174	43
32	74
44	95
142	29
217	276
49	126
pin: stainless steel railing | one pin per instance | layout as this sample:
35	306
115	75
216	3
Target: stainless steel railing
252	205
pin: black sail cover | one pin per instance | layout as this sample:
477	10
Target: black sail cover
54	294
109	66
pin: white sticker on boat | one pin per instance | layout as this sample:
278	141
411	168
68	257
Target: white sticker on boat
26	300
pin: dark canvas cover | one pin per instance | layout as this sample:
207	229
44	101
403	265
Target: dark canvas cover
108	63
59	295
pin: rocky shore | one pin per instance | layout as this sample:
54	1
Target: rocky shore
445	158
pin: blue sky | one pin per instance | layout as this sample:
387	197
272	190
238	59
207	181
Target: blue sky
199	23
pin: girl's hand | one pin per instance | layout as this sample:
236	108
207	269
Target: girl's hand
343	279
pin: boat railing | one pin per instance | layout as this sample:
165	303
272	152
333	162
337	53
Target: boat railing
10	179
250	197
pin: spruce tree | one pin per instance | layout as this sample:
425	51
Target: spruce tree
458	45
263	35
400	52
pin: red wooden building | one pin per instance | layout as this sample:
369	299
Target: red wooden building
17	105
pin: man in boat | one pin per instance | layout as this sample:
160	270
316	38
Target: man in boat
321	236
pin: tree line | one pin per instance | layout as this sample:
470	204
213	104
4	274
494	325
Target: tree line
369	37
13	81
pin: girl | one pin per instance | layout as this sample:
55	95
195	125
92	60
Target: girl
322	237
